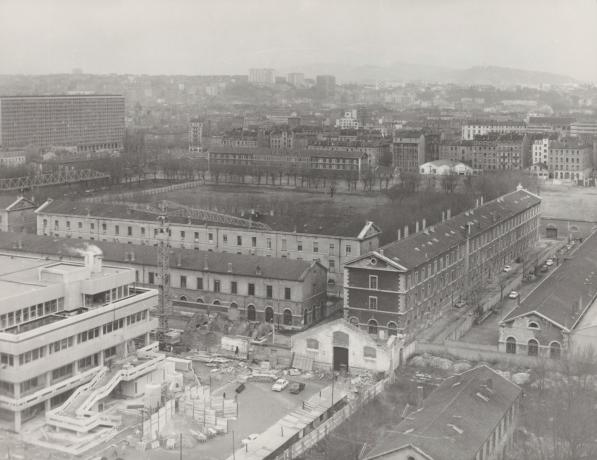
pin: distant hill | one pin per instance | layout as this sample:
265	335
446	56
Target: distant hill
404	72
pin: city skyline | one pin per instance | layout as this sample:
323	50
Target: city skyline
229	37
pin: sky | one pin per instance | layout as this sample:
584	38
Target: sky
200	37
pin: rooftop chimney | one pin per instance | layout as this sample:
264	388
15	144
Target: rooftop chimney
489	383
448	214
93	259
481	200
406	231
424	224
399	232
417	227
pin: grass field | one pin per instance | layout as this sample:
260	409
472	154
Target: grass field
344	214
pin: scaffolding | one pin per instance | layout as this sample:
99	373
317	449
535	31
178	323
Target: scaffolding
163	262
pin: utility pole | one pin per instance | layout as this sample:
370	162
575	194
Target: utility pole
180	446
233	445
163	263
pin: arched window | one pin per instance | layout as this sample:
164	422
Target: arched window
251	315
331	283
183	298
216	302
372	326
533	325
392	328
369	352
233	305
511	345
555	350
287	319
200	300
313	344
354	320
533	348
269	314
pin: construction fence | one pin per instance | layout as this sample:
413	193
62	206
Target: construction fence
157	421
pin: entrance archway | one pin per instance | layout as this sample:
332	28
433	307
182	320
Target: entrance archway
269	314
251	313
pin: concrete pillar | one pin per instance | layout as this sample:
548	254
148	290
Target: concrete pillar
18	421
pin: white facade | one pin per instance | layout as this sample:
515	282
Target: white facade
349	121
60	322
445	167
540	151
262	76
469	131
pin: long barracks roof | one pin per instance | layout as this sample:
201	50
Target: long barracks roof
421	247
456	419
189	259
565	294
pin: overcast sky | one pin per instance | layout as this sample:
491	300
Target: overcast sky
230	36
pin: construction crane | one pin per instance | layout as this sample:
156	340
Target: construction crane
163	262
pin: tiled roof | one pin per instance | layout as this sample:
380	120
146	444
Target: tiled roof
190	259
421	247
568	291
456	419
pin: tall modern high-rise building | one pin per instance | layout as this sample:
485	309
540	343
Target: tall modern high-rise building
325	85
296	79
195	135
86	121
262	76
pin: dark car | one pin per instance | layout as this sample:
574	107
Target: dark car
544	268
296	387
240	388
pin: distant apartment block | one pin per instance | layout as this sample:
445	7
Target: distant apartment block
60	322
262	76
195	135
540	150
583	128
557	125
408	150
483	127
325	86
281	139
570	159
297	79
350	120
87	122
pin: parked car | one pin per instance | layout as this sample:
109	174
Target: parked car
544	268
249	438
240	388
549	262
513	294
280	384
296	387
459	304
507	268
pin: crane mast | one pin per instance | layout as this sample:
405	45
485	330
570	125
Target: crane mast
163	262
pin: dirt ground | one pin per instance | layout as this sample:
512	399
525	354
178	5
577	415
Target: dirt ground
570	202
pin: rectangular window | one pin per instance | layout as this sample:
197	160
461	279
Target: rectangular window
143	231
80	225
199	283
254	241
196	236
348	249
268	243
182	234
116	230
315	246
183	281
233	287
68	224
239	240
210	237
129	231
251	289
151	278
216	285
372	281
332	248
287	293
299	246
332	267
225	238
283	244
269	290
372	303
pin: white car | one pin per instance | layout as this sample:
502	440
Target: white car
513	295
249	438
280	384
549	262
507	268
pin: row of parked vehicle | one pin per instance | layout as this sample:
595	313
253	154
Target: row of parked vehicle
293	387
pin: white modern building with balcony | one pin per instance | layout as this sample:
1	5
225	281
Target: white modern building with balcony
63	324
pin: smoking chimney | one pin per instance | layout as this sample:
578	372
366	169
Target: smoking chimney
93	259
